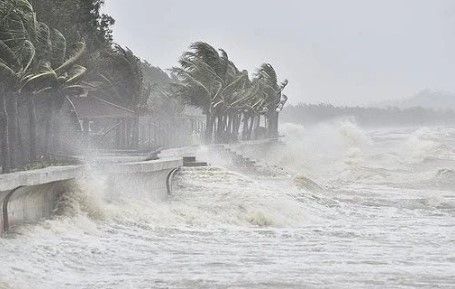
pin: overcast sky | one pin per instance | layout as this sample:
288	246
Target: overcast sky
342	52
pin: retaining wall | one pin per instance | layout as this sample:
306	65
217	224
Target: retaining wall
28	197
152	179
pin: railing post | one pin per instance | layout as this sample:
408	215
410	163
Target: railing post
169	178
5	208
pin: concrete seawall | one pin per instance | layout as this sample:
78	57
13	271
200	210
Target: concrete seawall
28	197
152	179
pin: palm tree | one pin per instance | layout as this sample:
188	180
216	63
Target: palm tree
123	86
16	56
56	78
33	63
271	94
4	145
208	79
200	81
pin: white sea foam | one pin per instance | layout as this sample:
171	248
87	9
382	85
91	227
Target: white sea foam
360	209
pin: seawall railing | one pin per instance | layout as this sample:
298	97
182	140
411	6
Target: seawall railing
30	196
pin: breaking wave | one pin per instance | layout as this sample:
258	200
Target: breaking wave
352	198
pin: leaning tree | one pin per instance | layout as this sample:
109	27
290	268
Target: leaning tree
16	56
271	94
209	80
33	63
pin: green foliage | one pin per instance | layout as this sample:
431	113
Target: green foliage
161	102
38	60
154	76
34	62
117	77
78	20
208	79
113	72
32	57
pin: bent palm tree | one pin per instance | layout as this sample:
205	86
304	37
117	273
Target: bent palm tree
58	84
34	62
271	94
16	56
208	79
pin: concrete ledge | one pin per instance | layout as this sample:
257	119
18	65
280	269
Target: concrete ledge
39	177
141	167
27	197
150	179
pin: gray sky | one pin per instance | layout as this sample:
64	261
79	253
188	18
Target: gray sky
343	52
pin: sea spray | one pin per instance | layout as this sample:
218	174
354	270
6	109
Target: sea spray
81	198
378	222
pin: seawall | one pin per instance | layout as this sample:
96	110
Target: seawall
28	197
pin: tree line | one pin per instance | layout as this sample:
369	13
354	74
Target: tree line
41	67
51	51
309	114
229	98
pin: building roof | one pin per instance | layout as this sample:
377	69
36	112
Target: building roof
92	107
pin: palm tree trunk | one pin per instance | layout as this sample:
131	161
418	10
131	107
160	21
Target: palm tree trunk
256	122
135	132
20	143
236	128
5	148
49	128
209	128
217	128
245	127
57	136
229	129
226	122
274	124
250	129
31	106
11	107
221	127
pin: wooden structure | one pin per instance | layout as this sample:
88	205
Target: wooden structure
109	126
103	123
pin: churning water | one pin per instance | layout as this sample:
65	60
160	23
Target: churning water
357	209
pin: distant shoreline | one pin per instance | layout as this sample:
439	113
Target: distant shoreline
309	114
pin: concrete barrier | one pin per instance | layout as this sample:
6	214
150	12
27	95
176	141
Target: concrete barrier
28	197
38	177
150	179
32	195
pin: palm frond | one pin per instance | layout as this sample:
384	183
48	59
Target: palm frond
81	46
27	55
58	48
8	56
74	90
6	73
43	42
75	75
40	81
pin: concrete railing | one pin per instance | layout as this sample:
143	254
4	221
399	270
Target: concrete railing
151	179
27	197
38	177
